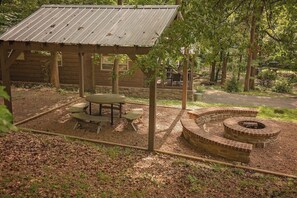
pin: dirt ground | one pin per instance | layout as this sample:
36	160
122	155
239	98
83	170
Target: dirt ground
279	156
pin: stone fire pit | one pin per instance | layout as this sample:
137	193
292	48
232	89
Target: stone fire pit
256	131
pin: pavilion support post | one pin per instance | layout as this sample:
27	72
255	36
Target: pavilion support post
81	75
54	70
185	80
93	77
115	76
152	114
6	77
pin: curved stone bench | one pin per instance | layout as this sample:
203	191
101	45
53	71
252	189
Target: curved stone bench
214	144
205	115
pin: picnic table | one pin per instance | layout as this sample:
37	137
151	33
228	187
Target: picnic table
107	99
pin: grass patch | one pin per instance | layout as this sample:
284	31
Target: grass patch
250	183
218	167
196	184
282	114
238	171
103	177
278	113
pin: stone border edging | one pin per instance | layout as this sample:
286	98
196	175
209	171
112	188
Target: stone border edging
214	144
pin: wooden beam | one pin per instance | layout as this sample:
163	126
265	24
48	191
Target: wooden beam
185	80
54	70
6	76
133	57
152	114
81	75
12	57
115	76
23	46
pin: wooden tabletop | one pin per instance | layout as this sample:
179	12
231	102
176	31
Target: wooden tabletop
106	98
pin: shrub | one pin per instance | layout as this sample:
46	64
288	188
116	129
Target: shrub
232	85
282	86
5	115
266	78
200	89
292	78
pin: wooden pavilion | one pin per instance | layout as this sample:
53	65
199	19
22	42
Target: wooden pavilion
80	29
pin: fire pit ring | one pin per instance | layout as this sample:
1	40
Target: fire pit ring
256	131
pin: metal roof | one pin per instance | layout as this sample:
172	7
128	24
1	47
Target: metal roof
94	25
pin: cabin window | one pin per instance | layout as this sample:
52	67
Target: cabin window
107	62
21	56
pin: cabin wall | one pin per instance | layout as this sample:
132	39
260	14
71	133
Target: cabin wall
70	68
32	69
35	68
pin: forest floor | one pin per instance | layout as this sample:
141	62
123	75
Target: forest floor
34	165
30	159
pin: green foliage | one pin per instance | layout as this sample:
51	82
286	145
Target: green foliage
5	116
266	77
232	85
282	86
292	77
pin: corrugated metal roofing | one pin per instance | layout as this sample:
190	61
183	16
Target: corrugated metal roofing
94	25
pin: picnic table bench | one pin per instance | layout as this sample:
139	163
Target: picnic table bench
78	107
89	118
132	115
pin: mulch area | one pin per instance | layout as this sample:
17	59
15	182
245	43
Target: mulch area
279	156
33	165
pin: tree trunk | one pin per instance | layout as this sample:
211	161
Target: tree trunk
217	73
120	2
252	78
224	69
212	71
185	79
250	54
239	68
254	57
219	67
